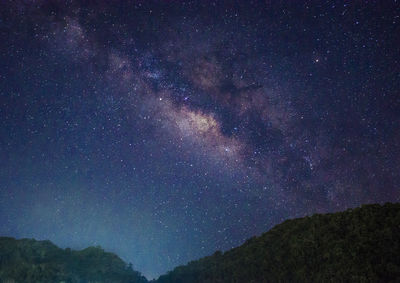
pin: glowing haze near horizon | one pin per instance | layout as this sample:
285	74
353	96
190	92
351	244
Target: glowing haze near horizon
166	130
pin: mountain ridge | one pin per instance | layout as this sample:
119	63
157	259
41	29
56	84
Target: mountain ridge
357	245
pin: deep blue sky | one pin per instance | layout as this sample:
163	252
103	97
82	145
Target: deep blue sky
166	130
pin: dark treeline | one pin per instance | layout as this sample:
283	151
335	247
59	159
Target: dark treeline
358	245
31	261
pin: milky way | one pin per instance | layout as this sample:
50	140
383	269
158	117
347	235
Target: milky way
166	130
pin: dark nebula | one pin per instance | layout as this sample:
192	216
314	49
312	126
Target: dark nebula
166	130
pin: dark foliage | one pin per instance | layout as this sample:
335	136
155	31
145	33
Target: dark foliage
359	245
28	261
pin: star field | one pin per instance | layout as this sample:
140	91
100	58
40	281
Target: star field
166	130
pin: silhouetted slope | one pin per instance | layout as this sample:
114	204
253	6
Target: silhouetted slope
360	245
28	261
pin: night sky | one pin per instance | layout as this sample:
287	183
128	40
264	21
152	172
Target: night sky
166	130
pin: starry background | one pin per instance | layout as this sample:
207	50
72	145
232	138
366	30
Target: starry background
166	130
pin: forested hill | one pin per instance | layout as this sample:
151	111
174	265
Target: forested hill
359	245
30	261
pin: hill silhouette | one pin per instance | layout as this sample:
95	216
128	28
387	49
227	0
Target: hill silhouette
27	260
357	245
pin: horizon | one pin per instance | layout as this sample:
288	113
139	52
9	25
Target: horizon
223	252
